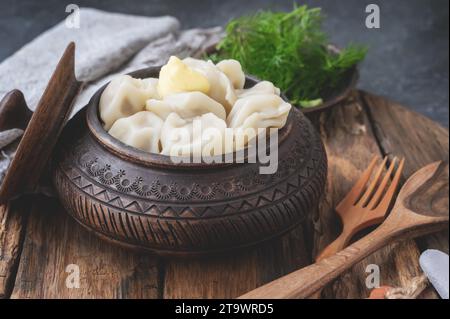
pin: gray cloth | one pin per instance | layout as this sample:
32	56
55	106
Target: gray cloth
107	44
104	42
8	144
186	43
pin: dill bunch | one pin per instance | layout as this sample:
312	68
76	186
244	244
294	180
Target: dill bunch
290	50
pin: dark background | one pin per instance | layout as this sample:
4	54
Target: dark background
407	61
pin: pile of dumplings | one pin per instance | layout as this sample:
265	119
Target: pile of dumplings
146	113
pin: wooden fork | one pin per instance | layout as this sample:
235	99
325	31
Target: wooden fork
366	204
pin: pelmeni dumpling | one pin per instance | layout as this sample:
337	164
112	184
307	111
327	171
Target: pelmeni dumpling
125	96
221	88
186	105
200	136
233	71
263	87
141	130
259	111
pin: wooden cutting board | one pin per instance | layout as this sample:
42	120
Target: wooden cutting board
35	252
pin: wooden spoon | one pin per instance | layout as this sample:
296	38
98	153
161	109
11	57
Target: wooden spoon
422	207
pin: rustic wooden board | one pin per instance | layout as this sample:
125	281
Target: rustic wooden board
353	132
426	142
406	133
12	222
232	275
53	242
351	144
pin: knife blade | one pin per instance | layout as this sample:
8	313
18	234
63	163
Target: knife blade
435	265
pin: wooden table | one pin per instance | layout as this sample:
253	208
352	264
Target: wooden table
38	241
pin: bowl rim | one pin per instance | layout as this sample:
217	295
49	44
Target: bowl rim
149	159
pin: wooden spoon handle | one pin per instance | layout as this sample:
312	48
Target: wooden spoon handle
305	282
334	247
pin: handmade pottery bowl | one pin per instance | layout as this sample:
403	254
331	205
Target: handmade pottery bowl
146	201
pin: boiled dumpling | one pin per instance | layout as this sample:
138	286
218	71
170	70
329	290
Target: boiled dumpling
263	87
233	71
200	136
141	130
176	77
221	88
187	105
125	96
259	111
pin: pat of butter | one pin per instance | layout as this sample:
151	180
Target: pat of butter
176	77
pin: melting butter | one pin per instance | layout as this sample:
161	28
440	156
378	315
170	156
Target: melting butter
176	77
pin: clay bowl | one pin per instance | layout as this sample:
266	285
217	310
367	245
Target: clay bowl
145	201
333	96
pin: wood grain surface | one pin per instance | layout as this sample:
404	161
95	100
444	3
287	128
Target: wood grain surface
54	242
414	136
230	276
12	225
351	143
355	131
421	207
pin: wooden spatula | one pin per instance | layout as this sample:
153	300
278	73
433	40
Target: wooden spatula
422	207
43	129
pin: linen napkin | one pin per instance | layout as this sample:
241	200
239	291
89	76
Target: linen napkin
107	44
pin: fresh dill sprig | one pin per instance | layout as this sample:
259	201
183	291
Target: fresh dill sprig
290	50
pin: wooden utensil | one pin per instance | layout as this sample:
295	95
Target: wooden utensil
422	207
365	205
14	112
43	129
